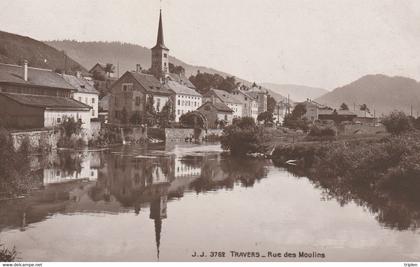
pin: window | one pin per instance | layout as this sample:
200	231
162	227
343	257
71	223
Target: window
80	99
179	112
165	55
93	100
93	112
58	120
225	117
179	102
126	87
138	99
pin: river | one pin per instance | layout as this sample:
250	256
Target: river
168	203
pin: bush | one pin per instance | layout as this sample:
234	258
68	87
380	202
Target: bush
242	137
397	123
7	255
319	131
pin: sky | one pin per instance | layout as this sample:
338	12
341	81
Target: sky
320	43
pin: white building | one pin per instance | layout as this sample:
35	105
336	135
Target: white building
185	99
84	92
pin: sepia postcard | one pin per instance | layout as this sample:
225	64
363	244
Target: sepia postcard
227	131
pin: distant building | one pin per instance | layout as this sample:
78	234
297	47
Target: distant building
250	104
185	99
84	92
37	98
337	116
260	95
313	109
230	100
216	112
130	93
99	70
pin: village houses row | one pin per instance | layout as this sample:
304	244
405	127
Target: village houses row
34	98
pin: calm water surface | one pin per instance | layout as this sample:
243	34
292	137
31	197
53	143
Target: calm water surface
165	203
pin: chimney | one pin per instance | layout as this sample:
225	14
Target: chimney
25	70
78	74
138	68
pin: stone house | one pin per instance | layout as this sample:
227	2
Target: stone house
215	112
223	97
130	93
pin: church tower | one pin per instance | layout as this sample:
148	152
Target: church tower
160	54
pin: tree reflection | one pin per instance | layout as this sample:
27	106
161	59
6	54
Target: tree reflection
392	208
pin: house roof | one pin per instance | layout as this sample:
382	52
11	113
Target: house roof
218	106
181	79
80	84
150	83
178	88
339	112
97	64
225	96
36	77
47	102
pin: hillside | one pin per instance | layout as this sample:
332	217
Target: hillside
127	56
379	92
123	54
297	92
15	48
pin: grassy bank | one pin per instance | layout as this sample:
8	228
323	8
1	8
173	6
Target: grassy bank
382	173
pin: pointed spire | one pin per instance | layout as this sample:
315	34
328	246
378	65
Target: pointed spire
160	43
158	229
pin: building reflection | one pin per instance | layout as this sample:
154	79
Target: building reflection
105	182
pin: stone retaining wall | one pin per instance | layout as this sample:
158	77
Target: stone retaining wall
38	139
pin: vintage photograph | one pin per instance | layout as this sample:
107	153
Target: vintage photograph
210	131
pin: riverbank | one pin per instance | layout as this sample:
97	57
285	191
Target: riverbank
387	167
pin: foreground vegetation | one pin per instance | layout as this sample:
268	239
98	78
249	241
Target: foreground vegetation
7	255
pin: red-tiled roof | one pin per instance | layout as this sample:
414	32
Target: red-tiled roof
47	102
36	77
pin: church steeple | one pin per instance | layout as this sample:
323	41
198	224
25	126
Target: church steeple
160	43
160	54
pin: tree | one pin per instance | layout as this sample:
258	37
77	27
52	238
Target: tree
299	111
109	68
205	81
176	69
397	123
266	117
166	115
271	104
150	115
344	106
364	107
242	137
71	126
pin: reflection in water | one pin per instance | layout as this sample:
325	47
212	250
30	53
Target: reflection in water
392	209
123	181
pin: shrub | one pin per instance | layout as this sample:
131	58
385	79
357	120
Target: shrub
397	122
7	255
319	131
242	137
